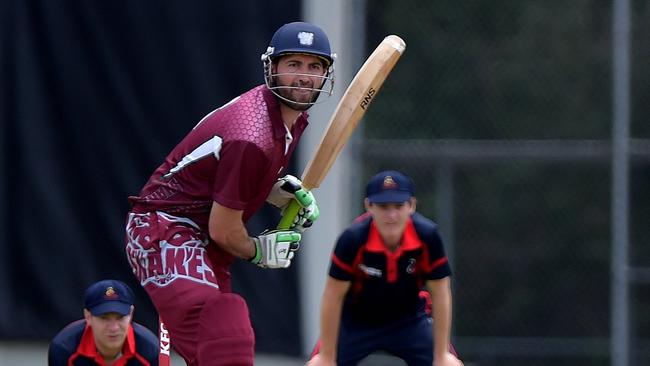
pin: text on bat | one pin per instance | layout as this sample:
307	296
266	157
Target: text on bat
368	98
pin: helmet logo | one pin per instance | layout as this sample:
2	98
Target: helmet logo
306	38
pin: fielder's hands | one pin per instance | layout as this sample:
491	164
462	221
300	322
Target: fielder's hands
318	360
288	188
447	359
275	249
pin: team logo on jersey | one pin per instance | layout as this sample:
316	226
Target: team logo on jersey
161	262
410	269
389	183
373	272
110	293
306	38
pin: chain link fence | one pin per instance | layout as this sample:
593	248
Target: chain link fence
502	114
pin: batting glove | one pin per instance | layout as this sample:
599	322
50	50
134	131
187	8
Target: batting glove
275	249
288	188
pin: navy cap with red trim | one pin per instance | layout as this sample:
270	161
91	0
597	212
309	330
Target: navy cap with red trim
390	186
108	296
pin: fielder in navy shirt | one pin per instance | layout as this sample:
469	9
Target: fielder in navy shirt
378	268
106	335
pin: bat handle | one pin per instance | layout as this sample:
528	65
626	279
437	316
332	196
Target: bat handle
289	215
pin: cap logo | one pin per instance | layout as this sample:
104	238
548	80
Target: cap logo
306	38
389	183
110	293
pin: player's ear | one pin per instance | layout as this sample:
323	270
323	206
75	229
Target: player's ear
413	202
366	204
87	315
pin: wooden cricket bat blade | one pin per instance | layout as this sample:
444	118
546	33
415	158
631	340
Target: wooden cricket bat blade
353	105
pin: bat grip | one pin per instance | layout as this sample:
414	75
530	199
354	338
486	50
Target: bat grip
289	215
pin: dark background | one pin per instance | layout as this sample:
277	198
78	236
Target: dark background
502	112
94	95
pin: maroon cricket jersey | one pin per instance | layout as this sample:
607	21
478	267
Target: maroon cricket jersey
233	156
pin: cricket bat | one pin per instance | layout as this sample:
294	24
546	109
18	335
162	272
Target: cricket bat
353	105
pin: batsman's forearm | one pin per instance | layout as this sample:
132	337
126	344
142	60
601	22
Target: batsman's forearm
237	243
227	230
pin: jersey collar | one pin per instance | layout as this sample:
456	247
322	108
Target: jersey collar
88	349
410	239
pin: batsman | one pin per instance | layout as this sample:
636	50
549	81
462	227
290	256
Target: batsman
186	226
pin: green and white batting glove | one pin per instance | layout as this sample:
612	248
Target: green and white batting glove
288	188
275	249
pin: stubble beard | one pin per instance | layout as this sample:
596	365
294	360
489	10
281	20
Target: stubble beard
295	103
298	105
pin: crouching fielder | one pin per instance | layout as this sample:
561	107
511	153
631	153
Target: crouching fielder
372	296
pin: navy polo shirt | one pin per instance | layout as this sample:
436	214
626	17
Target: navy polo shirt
385	285
75	345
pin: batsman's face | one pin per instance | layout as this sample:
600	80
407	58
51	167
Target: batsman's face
109	331
390	219
300	78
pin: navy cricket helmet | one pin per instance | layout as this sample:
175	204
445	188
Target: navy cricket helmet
301	37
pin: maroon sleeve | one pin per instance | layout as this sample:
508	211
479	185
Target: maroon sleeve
240	174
